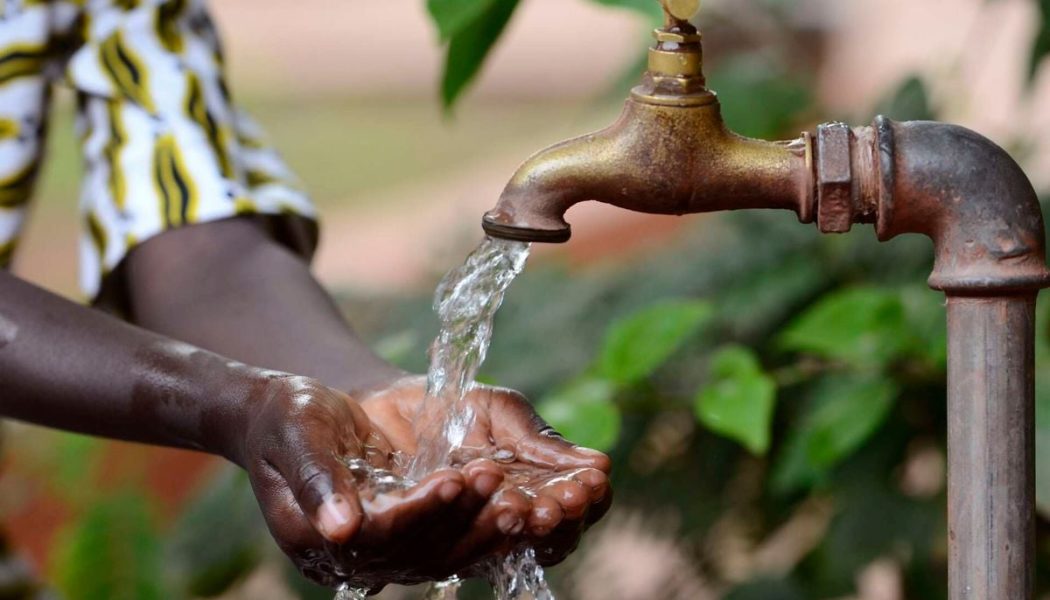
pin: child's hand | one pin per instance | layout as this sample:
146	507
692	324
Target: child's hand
295	448
552	490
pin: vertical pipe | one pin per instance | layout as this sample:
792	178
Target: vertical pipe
991	455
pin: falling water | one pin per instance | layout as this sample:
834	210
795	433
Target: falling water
345	592
466	302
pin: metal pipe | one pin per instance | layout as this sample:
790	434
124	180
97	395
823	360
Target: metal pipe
670	153
991	458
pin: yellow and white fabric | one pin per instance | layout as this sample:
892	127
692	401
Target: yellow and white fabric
163	144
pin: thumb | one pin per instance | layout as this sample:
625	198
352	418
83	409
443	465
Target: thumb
535	441
325	490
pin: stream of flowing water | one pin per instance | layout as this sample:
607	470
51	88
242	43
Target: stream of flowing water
466	302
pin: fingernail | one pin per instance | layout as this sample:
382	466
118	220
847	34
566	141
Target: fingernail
510	523
449	490
333	515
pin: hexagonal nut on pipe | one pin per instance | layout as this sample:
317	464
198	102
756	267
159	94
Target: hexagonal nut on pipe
834	178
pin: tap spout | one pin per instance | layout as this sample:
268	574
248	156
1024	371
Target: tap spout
662	158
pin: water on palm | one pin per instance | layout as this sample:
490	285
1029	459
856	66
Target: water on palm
466	302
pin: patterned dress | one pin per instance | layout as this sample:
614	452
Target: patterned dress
163	144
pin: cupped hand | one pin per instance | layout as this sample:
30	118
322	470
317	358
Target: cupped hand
551	490
296	446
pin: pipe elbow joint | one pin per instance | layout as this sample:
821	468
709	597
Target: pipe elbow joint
958	188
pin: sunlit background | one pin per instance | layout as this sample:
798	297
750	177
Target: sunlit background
829	483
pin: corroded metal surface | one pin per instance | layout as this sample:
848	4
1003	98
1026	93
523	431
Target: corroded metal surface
835	186
954	186
670	153
991	493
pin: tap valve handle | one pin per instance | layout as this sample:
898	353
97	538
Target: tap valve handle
679	11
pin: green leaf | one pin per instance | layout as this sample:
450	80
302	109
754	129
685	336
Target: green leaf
852	409
470	44
584	412
452	16
911	102
925	315
112	553
760	99
220	537
1041	45
1042	413
739	402
863	326
636	346
844	411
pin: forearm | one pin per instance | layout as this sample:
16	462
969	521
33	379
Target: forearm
226	286
67	366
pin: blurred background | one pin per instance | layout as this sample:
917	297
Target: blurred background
773	398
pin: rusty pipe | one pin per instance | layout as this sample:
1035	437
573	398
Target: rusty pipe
976	204
670	153
991	457
943	181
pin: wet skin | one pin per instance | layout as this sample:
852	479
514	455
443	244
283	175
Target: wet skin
67	366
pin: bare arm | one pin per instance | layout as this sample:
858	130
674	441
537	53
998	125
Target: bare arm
67	366
227	286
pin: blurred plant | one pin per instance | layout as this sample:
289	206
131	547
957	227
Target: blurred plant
757	380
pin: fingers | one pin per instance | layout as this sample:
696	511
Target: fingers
483	477
291	529
547	448
325	491
545	516
583	496
389	515
515	424
501	521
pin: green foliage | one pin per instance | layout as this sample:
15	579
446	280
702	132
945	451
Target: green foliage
584	412
910	102
219	538
637	345
112	553
739	401
843	411
863	326
470	30
758	99
766	589
1041	45
453	16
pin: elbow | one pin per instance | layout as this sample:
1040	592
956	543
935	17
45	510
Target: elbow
965	193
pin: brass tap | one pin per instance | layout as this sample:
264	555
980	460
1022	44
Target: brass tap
669	153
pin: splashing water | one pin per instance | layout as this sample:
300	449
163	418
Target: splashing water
345	592
444	590
466	302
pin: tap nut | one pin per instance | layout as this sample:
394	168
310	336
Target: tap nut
834	178
677	37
